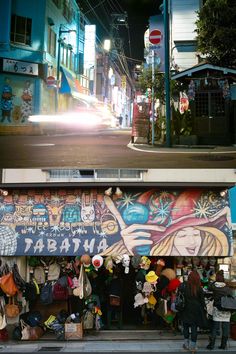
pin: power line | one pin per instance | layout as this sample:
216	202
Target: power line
85	13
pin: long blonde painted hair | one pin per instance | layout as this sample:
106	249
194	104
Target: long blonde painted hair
214	243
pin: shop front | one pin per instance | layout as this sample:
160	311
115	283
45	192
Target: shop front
98	260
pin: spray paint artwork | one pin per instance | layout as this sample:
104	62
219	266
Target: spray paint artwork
151	222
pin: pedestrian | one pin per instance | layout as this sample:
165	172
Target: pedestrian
194	313
220	318
120	120
126	120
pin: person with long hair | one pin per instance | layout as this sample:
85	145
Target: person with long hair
186	235
220	318
194	313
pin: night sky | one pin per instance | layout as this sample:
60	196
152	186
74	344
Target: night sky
138	12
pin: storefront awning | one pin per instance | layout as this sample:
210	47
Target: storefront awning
70	85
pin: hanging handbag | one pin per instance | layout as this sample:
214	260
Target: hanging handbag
3	322
25	330
8	285
228	303
114	300
79	291
87	286
11	309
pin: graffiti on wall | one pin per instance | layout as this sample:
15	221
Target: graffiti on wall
16	101
152	222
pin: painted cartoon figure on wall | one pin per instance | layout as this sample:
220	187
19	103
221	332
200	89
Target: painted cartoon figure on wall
189	224
151	222
6	101
26	106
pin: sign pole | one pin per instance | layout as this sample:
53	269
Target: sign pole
153	96
167	73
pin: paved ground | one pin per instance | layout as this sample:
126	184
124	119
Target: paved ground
106	149
122	342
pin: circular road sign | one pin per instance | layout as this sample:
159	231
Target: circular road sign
155	36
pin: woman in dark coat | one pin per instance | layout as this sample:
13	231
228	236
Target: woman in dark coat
220	318
194	313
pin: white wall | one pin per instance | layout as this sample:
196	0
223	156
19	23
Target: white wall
182	25
151	175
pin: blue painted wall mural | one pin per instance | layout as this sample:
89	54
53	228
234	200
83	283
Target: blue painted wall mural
71	222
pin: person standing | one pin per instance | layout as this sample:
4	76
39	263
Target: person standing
220	318
120	120
194	313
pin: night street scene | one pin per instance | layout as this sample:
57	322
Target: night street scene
117	176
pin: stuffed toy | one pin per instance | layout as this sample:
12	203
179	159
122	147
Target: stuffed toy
140	300
108	263
126	262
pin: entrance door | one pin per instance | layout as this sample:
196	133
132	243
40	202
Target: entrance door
211	123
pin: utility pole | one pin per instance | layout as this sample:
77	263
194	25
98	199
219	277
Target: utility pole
153	96
167	72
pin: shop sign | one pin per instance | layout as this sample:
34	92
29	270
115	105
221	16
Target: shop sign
190	222
20	67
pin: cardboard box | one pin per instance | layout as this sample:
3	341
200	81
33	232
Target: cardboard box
73	331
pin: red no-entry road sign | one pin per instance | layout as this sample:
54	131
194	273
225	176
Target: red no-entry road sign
155	36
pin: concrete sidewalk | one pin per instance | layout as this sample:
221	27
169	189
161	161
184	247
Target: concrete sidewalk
159	343
183	149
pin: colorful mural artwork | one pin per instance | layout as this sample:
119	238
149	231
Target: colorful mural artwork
16	101
148	222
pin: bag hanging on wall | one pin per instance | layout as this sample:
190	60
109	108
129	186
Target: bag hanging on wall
3	322
59	292
161	309
114	300
79	290
8	285
12	310
25	330
19	281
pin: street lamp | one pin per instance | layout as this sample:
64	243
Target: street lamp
165	8
60	40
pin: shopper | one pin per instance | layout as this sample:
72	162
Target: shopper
220	318
194	313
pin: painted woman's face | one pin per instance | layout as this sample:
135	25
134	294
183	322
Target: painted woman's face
187	242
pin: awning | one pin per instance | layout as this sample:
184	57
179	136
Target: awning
70	85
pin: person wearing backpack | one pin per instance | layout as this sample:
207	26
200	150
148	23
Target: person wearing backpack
220	317
194	314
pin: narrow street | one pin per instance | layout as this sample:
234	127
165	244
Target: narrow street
103	149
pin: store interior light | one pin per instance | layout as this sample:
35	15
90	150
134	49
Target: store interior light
109	191
223	193
3	192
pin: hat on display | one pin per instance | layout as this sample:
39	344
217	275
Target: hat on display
173	285
97	261
108	263
145	263
135	261
147	288
151	277
169	273
53	271
86	260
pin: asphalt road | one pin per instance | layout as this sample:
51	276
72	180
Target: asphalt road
99	149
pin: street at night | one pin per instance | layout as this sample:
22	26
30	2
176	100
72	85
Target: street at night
105	149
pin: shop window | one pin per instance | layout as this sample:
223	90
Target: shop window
67	13
210	104
82	23
51	42
21	28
